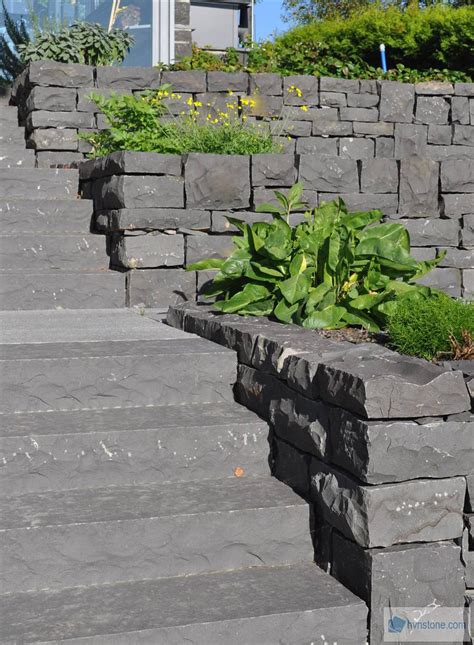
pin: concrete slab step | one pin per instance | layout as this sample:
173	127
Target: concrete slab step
16	156
45	216
291	605
119	533
40	183
76	376
43	252
26	290
64	450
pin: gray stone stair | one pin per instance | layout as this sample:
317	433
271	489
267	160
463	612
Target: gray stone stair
118	534
45	216
12	156
10	132
40	183
292	605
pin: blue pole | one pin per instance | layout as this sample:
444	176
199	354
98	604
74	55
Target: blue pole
382	56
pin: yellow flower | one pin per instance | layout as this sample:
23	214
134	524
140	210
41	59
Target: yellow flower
299	93
197	104
189	101
304	108
231	106
230	93
291	89
245	101
224	115
252	103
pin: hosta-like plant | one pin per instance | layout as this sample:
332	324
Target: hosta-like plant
333	270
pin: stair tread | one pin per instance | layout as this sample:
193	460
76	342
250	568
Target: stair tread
126	419
185	600
143	501
46	216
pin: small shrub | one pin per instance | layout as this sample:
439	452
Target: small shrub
436	327
144	123
333	270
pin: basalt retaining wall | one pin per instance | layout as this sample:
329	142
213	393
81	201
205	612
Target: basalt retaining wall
161	213
380	444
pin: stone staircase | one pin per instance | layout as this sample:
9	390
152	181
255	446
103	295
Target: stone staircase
137	505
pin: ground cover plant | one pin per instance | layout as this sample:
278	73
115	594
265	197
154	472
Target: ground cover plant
146	123
439	327
434	43
333	270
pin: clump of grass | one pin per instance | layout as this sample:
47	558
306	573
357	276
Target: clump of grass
438	327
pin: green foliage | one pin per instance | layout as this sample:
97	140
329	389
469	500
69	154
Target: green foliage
17	33
333	270
82	42
430	327
144	123
435	43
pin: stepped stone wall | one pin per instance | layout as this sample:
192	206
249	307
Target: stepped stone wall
379	443
407	149
162	213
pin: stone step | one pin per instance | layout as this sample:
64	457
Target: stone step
26	290
16	156
9	114
297	604
118	533
63	450
11	133
99	375
45	216
41	183
42	252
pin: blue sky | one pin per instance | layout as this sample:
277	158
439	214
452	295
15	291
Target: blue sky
268	18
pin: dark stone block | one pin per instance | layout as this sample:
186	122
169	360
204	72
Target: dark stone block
457	176
192	81
397	101
51	98
48	72
227	81
136	78
135	191
131	163
419	179
379	176
273	170
266	84
217	181
330	174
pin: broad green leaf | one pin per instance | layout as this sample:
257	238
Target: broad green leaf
268	208
383	239
325	319
295	193
298	264
238	223
316	295
354	317
204	265
367	301
334	249
285	312
261	308
295	288
250	293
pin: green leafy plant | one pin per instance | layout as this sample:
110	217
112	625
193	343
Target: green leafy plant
16	35
433	328
333	270
82	42
145	123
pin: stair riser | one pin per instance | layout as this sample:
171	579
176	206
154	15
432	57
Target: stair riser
115	381
22	291
341	625
56	557
21	216
45	252
39	463
40	184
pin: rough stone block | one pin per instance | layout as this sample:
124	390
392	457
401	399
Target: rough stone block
309	86
146	251
153	219
463	135
440	153
376	129
48	72
63	159
382	515
338	85
468	231
458	258
419	180
468	285
269	106
457	176
381	452
60	99
460	110
136	78
160	288
432	232
86	105
364	115
464	89
387	203
201	247
412	575
131	163
333	99
293	128
397	102
135	191
369	86
52	139
379	176
191	81
385	147
440	134
266	84
356	148
457	205
433	88
410	140
317	145
363	100
323	127
432	109
291	466
59	120
448	280
217	181
227	82
273	170
330	174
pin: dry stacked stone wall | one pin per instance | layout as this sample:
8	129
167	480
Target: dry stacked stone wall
407	149
381	446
